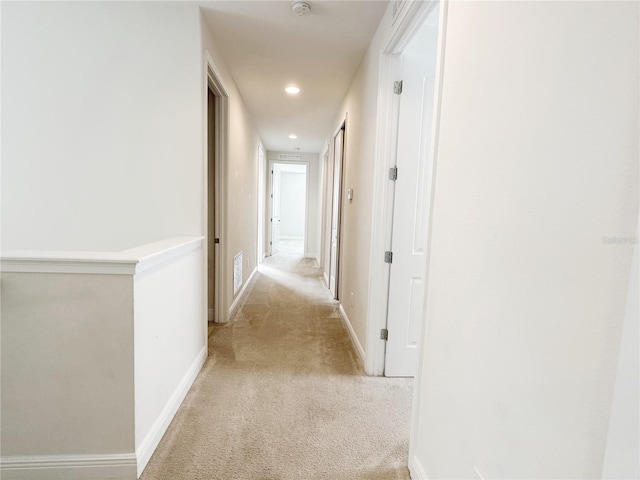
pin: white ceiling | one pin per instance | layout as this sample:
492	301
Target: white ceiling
267	47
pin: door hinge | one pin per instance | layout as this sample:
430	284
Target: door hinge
397	87
384	334
270	243
216	240
271	220
388	257
393	173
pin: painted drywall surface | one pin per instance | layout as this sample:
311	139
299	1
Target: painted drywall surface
67	373
324	214
240	177
360	108
622	458
102	138
293	188
170	332
537	163
314	197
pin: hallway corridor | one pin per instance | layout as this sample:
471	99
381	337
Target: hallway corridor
282	395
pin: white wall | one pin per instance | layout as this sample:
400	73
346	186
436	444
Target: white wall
170	344
537	162
67	374
622	457
103	135
102	138
293	192
324	212
98	352
312	237
359	107
116	105
240	178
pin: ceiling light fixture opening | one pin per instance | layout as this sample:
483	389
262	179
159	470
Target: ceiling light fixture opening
300	9
293	136
292	90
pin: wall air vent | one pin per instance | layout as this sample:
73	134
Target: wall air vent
288	156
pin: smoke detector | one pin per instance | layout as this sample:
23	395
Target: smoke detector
300	8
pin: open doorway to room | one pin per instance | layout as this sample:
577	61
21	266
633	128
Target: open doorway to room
260	251
413	172
215	144
411	70
336	210
288	205
212	237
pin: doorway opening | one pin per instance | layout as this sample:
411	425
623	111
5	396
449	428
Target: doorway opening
336	210
416	41
288	208
415	97
324	215
260	250
211	204
214	167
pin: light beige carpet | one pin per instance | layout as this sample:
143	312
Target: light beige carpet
282	395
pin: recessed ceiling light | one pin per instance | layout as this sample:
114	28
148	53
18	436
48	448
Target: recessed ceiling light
293	136
291	90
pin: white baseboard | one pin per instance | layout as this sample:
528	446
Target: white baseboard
125	466
159	427
416	471
314	257
69	467
352	334
238	300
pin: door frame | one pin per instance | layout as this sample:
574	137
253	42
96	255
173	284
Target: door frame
325	161
306	200
261	237
213	81
270	213
331	175
411	206
408	21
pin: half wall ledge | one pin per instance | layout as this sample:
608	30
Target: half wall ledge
98	350
131	261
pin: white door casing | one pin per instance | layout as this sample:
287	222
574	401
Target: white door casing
275	210
411	204
261	204
216	196
325	216
336	210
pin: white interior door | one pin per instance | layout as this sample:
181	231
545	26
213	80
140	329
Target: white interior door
262	170
411	204
275	209
325	236
334	263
